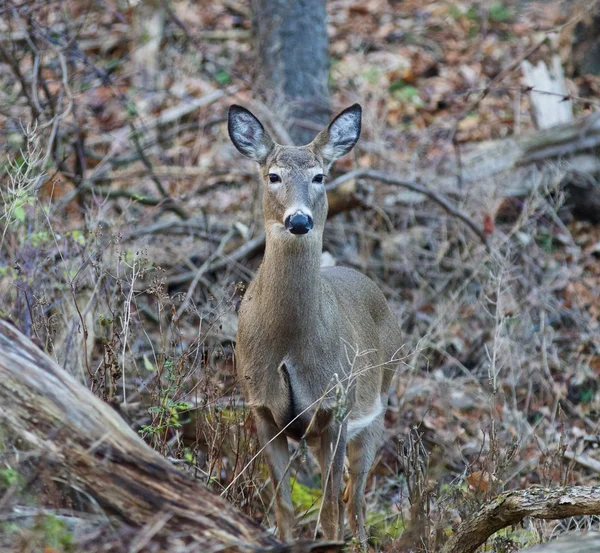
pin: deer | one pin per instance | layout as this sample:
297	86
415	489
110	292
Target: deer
316	347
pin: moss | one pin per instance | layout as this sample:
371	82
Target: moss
384	527
305	499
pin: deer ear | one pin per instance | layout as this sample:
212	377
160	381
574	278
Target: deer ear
248	135
340	136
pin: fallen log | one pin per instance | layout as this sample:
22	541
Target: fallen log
571	146
573	543
73	432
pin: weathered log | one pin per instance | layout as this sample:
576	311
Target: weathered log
512	507
568	147
76	433
573	543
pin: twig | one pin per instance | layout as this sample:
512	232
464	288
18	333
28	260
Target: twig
135	137
14	64
201	270
530	90
167	116
415	187
191	227
584	461
166	203
249	248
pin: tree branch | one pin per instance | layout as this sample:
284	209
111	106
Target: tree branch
415	187
512	507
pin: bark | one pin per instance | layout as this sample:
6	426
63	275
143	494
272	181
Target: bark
77	434
573	543
512	507
293	62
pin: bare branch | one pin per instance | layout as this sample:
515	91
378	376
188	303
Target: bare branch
415	187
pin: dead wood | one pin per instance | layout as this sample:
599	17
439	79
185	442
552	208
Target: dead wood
571	146
573	543
75	433
512	507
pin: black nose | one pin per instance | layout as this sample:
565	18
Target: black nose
299	223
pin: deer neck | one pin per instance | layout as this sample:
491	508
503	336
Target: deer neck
289	281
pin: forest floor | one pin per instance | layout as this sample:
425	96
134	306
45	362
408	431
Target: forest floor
126	220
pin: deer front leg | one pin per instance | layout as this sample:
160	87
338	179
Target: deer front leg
332	451
361	454
278	460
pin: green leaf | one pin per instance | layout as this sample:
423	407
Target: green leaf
303	497
8	477
19	213
148	364
222	77
79	237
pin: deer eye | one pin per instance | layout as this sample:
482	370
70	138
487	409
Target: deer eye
274	178
318	178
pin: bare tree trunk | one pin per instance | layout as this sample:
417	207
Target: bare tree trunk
79	437
293	62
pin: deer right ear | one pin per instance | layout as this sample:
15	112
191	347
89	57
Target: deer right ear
340	136
248	135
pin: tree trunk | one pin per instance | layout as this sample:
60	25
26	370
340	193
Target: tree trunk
79	437
293	62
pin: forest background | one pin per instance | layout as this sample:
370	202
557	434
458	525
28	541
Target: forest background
130	225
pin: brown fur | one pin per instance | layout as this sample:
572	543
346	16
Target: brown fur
304	330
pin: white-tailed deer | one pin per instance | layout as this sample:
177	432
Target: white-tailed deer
306	334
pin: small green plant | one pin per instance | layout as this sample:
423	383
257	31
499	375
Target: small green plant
405	93
164	417
10	477
222	77
24	175
499	13
385	526
52	533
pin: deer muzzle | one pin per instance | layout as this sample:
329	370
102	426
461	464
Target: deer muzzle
299	222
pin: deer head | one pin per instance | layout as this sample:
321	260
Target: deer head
294	199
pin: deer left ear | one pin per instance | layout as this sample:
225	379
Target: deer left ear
340	136
248	135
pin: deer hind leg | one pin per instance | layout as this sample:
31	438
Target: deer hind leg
332	451
278	461
361	454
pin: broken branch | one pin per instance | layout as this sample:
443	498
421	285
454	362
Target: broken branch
512	507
